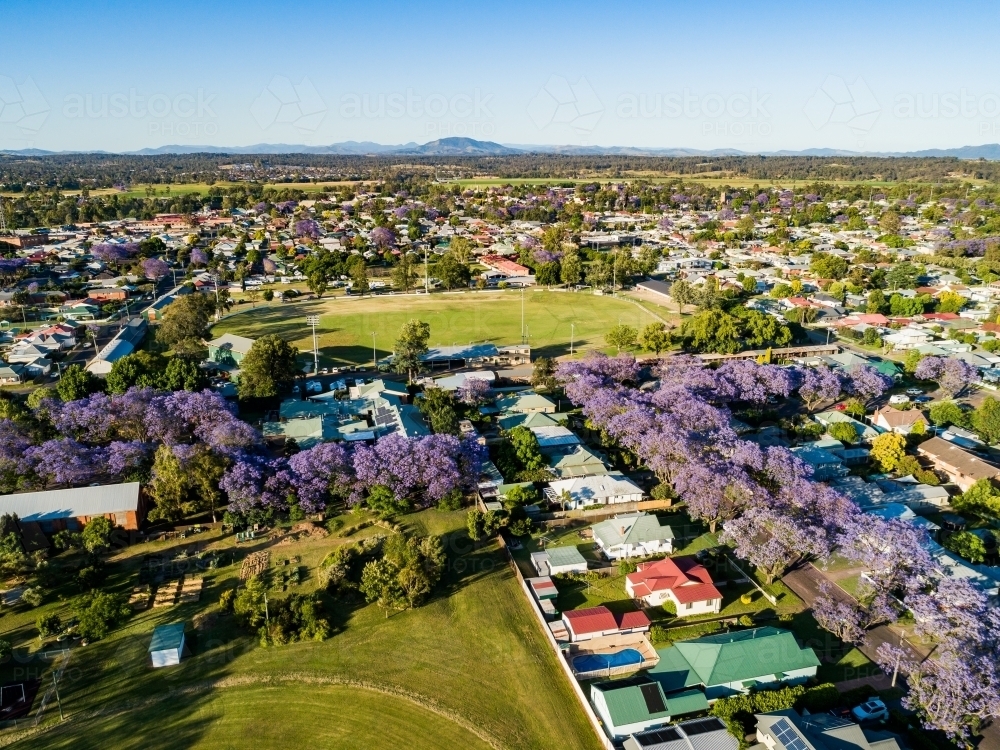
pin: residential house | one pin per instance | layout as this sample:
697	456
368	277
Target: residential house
229	349
526	402
55	510
555	437
627	707
825	465
559	560
125	342
595	622
632	535
698	734
727	664
898	420
10	374
606	489
682	581
788	730
529	420
574	461
962	467
865	433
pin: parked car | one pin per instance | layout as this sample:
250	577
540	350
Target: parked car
871	710
899	398
914	392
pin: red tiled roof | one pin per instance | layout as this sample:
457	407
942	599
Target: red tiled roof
632	620
688	579
593	620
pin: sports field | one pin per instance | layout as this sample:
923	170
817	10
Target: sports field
470	669
345	329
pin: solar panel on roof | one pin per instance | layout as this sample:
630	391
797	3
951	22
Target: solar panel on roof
653	697
658	736
787	736
701	726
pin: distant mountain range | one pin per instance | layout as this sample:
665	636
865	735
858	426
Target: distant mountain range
472	147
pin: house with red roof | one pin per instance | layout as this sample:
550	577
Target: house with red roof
594	622
681	580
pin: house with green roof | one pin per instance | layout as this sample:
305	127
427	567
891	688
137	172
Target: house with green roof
726	664
639	703
575	461
529	420
229	349
632	535
526	402
557	560
865	432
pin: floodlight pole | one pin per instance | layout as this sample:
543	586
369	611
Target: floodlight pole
313	320
522	314
572	337
374	355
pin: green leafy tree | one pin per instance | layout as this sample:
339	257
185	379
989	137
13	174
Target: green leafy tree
655	337
548	274
411	345
982	498
317	283
452	273
889	222
100	612
902	276
140	368
474	524
543	374
950	302
168	487
76	383
877	303
967	545
827	266
621	337
384	502
183	375
249	606
359	278
570	268
682	293
403	273
844	432
986	420
186	319
440	409
268	369
519	454
380	584
460	249
944	413
97	535
911	360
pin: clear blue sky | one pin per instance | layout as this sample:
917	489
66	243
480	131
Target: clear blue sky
755	76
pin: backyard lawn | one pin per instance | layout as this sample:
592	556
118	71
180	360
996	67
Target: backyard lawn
471	668
346	324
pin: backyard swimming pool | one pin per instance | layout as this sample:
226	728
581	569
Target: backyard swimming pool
597	662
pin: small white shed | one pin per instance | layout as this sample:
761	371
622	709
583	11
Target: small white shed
167	644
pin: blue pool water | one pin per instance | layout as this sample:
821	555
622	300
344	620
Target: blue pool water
595	662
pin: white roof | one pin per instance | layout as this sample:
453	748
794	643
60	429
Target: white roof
607	485
235	343
72	503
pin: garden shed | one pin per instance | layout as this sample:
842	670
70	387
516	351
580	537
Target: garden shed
167	644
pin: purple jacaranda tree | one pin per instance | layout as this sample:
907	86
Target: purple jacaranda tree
11	267
66	462
125	458
270	267
198	257
320	472
473	391
15	469
545	256
952	374
154	268
664	224
110	253
818	385
743	380
847	618
893	552
308	228
867	383
383	237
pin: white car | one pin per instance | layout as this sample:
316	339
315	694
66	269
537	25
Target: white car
871	710
899	398
914	392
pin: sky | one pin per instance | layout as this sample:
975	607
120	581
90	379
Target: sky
759	77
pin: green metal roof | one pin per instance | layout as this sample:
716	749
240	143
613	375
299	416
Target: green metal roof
638	528
731	657
535	419
167	637
626	704
564	556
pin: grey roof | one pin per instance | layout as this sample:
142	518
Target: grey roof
471	351
559	556
700	734
821	731
72	503
232	342
632	528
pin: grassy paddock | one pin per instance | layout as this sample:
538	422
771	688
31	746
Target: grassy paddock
346	325
470	668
